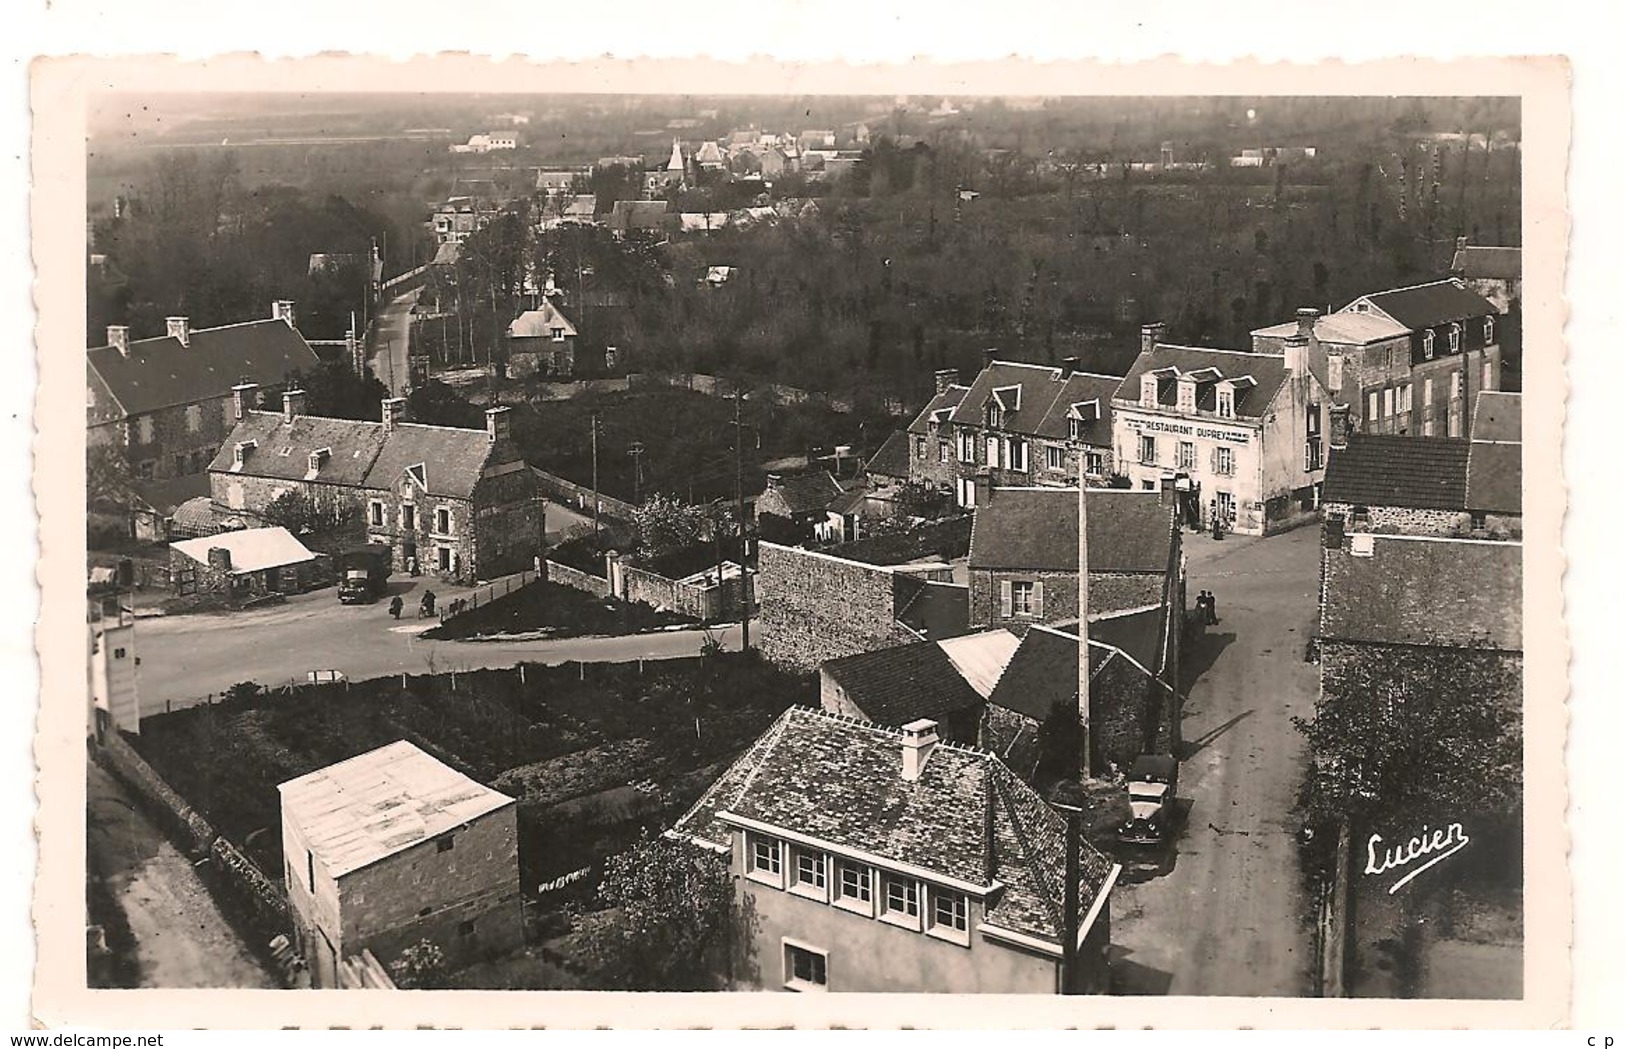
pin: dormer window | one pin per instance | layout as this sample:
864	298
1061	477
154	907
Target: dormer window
1427	345
1187	395
1148	391
314	461
558	334
995	416
239	454
1455	338
1489	330
1226	402
1074	429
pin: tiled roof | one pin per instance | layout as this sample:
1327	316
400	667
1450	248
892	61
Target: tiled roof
1267	370
165	496
1488	263
1343	329
159	373
1498	416
539	323
251	549
1038	387
1424	473
1079	388
1428	305
1495	478
894	686
382	802
931	609
967	817
361	455
1411	591
809	492
639	214
945	401
892	459
1037	529
1044	669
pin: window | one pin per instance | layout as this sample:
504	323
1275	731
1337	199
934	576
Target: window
1021	598
1371	405
1405	399
144	470
1487	382
919	448
180	462
811	872
442	521
1427	393
900	900
558	334
1148	449
1055	457
852	887
1334	373
444	843
1187	455
1455	337
194	418
1427	345
409	517
465	928
1148	391
1074	429
950	915
1480	520
1227	404
310	869
1489	330
1187	396
765	858
1388	402
446	560
1455	386
143	429
1224	461
995	416
943	451
1311	454
805	969
1097	462
967	446
375	513
118	653
993	451
1016	452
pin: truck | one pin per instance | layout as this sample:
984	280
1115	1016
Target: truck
363	571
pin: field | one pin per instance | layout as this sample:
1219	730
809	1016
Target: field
594	752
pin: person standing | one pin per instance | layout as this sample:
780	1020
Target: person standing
1212	610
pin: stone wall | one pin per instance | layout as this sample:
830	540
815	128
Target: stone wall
1404	520
579	497
948	539
816	607
1342	664
564	575
1108	592
705	603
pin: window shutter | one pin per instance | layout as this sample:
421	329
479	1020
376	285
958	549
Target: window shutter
1213	456
1004	598
1038	599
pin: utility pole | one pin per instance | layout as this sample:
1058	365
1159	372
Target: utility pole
739	499
1070	903
1085	764
637	472
595	475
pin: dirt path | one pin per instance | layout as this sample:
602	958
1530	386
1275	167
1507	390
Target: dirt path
181	938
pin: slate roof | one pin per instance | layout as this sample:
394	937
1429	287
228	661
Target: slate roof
376	804
1423	473
361	454
167	495
809	492
1344	329
1036	529
1428	305
1454	593
1498	416
935	610
1488	263
160	373
967	817
1044	669
892	458
894	686
948	399
1038	386
1078	388
638	214
539	323
1495	478
251	549
1267	370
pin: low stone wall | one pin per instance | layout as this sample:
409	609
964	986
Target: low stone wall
580	497
132	769
705	603
574	577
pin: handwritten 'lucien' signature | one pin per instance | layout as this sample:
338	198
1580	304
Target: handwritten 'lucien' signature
1438	843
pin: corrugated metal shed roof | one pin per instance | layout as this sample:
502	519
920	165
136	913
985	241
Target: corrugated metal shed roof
981	658
359	811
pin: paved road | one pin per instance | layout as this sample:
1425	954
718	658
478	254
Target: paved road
181	939
387	343
185	658
1229	918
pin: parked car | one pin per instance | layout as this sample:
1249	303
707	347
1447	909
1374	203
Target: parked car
1152	782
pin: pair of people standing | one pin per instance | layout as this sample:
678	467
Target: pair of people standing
1207	608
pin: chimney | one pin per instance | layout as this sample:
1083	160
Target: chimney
1338	425
118	337
1334	532
946	377
919	740
1306	321
496	423
1150	335
1069	366
180	328
282	310
984	488
1296	348
1085	766
1166	490
1461	243
394	412
989	355
244	395
219	559
293	404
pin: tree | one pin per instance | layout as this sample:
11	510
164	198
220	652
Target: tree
421	966
673	920
663	525
109	482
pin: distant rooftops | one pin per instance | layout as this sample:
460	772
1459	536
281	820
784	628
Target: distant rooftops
1425	305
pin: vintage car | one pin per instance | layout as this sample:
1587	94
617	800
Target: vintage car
1151	784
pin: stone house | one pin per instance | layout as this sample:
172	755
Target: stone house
392	847
1493	272
542	341
1454	352
1024	555
167	402
1368	364
245	564
888	860
458	504
1236	434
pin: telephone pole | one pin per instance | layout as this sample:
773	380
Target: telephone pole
1085	764
636	451
595	475
739	498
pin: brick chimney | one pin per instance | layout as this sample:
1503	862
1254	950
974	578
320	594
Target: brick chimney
293	405
919	740
1296	348
394	413
1150	335
1338	425
219	559
496	423
1069	366
984	487
118	337
180	328
946	377
283	310
1461	243
244	396
1307	316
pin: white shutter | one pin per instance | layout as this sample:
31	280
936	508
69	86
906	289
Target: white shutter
1038	599
1005	600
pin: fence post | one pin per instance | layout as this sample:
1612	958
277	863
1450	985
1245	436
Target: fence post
521	673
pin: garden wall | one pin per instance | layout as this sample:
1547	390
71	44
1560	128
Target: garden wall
574	577
580	497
